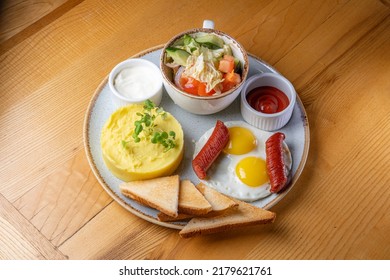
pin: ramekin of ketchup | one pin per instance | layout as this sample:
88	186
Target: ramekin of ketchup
267	101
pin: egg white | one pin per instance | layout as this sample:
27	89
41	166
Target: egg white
222	175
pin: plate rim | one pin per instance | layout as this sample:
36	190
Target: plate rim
102	182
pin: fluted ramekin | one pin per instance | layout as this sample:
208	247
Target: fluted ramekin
268	122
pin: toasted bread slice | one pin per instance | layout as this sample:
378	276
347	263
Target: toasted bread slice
160	193
191	201
244	215
219	202
180	217
219	205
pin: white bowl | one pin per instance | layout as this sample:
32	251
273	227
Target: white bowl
201	105
135	80
268	122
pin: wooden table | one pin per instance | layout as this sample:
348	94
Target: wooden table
53	56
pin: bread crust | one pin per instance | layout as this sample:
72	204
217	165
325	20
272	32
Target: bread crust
162	217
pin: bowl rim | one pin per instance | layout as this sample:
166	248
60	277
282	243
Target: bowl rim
244	74
114	72
252	79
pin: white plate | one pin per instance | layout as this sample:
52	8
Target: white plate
101	107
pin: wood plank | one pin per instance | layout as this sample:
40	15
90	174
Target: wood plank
21	240
64	201
121	235
21	19
287	37
340	30
366	246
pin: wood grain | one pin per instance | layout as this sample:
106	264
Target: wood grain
21	19
64	201
54	54
123	232
21	240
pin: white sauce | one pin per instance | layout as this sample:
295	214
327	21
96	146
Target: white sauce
135	82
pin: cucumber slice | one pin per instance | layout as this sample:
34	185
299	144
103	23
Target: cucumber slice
178	42
189	43
210	40
179	56
237	66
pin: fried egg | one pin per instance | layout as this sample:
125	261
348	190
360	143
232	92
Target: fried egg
240	170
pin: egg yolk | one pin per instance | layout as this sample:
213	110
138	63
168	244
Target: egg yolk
241	141
252	171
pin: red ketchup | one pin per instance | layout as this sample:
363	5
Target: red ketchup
267	99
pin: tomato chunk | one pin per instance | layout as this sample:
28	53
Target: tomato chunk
188	84
226	64
193	86
231	79
202	89
228	57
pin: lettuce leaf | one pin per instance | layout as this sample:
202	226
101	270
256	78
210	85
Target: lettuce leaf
203	70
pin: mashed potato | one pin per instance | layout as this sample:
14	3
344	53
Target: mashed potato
142	160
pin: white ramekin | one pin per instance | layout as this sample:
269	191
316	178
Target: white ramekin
154	95
268	122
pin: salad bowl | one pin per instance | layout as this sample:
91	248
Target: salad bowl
217	100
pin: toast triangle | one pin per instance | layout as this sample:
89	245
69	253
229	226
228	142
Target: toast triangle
160	193
244	215
162	217
219	202
191	200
